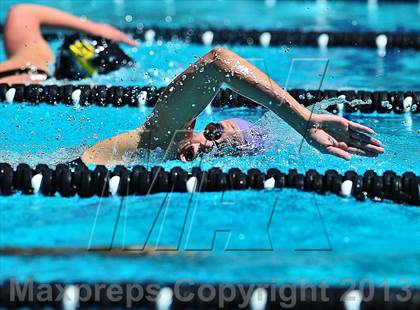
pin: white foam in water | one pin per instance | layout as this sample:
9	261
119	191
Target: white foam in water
269	183
164	299
258	299
408	121
353	300
114	182
36	182
372	4
209	110
75	96
407	104
207	37
265	39
10	95
340	101
71	297
142	98
323	40
149	35
346	188
270	3
191	184
41	156
340	107
381	42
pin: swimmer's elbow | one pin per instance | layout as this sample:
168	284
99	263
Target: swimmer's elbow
23	13
17	16
218	53
17	11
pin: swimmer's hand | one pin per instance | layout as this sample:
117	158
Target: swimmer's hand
110	32
334	135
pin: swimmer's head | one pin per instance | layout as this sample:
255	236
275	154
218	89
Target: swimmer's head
222	138
81	56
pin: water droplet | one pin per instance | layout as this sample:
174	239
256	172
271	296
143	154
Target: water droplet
384	103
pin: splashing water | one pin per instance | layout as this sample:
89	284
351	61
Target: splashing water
52	159
322	106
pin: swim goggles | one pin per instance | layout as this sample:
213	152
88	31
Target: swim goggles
212	132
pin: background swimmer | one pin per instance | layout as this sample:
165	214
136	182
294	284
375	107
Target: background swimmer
29	56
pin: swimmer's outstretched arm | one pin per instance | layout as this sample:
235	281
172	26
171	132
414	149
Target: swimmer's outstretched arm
24	42
189	93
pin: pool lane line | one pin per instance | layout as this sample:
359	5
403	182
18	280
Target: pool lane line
380	101
268	37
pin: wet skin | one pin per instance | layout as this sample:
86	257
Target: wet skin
231	136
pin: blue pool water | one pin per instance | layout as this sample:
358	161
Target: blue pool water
349	239
59	134
372	241
348	68
321	15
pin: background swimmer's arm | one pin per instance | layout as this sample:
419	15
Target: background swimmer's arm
24	42
25	20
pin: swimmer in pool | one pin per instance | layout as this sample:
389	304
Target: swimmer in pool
171	125
188	95
29	56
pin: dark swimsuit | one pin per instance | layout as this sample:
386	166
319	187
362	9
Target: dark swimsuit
30	71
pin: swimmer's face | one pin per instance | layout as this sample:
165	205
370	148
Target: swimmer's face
231	136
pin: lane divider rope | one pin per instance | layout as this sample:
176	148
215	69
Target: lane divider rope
122	181
189	294
269	37
135	96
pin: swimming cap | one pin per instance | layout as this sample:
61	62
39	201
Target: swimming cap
253	136
81	56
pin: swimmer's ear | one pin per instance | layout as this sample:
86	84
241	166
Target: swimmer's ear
190	129
182	146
